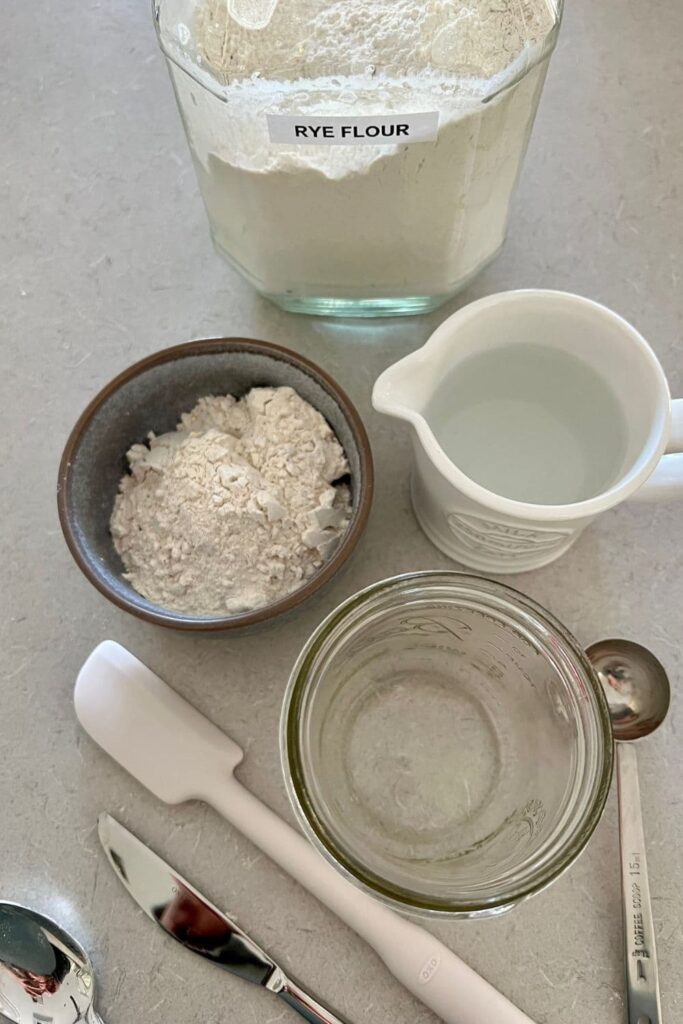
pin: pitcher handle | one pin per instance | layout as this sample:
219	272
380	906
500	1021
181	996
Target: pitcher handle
667	480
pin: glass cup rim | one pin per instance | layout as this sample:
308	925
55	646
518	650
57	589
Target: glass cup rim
297	690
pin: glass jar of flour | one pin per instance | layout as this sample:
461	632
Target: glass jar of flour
357	157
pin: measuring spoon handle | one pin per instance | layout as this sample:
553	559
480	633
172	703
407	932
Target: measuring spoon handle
639	934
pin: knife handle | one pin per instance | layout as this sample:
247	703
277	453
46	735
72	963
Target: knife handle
305	1004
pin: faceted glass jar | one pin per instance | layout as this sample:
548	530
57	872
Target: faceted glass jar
357	157
446	744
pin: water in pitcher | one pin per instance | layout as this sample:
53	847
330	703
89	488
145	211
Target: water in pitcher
531	423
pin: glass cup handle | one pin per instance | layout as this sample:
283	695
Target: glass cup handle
667	480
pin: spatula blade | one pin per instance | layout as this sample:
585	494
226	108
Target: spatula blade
164	742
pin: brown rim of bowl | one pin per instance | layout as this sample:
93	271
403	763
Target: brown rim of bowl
359	520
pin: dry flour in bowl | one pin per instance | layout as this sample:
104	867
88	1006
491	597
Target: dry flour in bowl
236	508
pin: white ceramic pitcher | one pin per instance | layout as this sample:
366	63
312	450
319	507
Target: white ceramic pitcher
494	533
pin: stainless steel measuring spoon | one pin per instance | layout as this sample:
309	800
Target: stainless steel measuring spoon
637	690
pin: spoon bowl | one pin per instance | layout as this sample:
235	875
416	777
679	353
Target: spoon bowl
636	686
44	973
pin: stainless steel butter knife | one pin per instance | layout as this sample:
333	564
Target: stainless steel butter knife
191	920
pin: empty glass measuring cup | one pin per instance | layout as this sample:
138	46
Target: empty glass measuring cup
446	744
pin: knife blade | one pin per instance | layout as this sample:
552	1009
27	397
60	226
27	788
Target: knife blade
189	918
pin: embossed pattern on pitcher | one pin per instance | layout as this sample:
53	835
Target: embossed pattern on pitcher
503	540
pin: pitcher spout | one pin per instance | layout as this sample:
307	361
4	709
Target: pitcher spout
403	389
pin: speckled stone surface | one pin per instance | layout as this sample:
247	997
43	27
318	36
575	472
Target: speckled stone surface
105	257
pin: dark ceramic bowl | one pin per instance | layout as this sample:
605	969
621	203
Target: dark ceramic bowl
152	395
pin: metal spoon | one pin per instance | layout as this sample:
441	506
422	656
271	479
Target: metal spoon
638	693
45	975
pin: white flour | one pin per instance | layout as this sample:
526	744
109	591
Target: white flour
234	509
366	220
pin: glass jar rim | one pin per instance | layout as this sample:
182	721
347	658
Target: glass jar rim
180	54
528	611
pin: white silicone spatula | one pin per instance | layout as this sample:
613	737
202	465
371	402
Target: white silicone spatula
180	755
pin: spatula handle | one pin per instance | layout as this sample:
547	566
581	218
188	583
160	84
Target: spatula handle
427	968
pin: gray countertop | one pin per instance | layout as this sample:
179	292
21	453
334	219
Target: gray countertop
105	258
